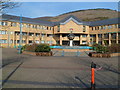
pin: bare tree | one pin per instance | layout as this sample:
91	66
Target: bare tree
7	4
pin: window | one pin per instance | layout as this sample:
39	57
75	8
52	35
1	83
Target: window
3	41
47	28
84	42
43	35
3	23
84	29
37	41
58	28
116	26
104	27
84	35
31	34
37	34
13	24
42	41
3	32
109	26
101	28
100	35
11	41
92	28
23	41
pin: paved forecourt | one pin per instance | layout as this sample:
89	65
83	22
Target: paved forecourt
57	71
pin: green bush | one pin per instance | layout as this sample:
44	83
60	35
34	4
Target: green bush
43	48
99	48
114	48
31	47
24	47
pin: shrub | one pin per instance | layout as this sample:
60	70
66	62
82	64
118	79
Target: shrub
99	48
114	48
31	47
43	48
24	47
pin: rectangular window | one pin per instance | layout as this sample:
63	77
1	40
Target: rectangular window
84	42
3	41
42	41
109	26
84	29
4	23
58	29
3	32
13	24
84	35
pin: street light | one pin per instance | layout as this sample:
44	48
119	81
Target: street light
20	46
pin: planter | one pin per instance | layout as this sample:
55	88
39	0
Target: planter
38	53
94	54
99	55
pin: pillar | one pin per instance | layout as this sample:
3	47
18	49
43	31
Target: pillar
27	41
117	37
60	39
109	38
88	39
97	38
80	39
103	39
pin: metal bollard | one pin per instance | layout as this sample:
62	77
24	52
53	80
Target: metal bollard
93	66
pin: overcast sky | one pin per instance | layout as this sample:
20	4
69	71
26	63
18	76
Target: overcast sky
40	9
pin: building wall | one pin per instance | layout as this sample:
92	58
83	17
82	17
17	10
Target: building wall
10	34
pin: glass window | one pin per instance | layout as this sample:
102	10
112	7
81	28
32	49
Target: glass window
84	29
104	27
13	24
3	32
3	41
84	35
109	26
116	26
4	23
42	41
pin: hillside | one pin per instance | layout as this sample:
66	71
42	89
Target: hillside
85	15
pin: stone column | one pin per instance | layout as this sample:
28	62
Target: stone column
27	38
117	37
80	39
60	39
109	38
97	38
103	39
88	39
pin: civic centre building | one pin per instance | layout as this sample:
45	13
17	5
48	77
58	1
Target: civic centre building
86	33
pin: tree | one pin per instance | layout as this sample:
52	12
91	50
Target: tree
7	4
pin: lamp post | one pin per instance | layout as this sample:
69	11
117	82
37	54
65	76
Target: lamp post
20	35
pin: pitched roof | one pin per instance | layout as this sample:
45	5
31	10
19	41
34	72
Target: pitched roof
105	22
71	17
47	23
26	20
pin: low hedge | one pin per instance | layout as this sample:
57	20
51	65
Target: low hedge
36	48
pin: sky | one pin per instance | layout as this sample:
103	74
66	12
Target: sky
41	9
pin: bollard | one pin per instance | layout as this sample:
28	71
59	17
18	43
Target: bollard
93	66
63	53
